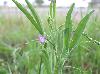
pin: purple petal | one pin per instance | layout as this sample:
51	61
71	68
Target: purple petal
42	39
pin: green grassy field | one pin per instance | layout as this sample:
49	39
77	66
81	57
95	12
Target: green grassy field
16	31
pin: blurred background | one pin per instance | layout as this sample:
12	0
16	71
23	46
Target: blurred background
15	28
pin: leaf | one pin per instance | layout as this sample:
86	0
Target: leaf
35	15
51	10
79	31
54	8
28	15
45	58
68	28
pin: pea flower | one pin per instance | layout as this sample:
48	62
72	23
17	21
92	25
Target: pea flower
42	39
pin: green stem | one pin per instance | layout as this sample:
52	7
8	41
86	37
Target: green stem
40	66
89	38
51	44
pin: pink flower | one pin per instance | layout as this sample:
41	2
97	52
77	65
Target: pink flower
42	39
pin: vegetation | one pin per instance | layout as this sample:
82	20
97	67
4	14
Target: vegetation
50	49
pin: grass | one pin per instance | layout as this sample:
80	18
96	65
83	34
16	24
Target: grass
52	57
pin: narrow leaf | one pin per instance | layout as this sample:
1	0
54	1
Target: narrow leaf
54	8
68	28
79	30
45	58
35	15
51	10
28	15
